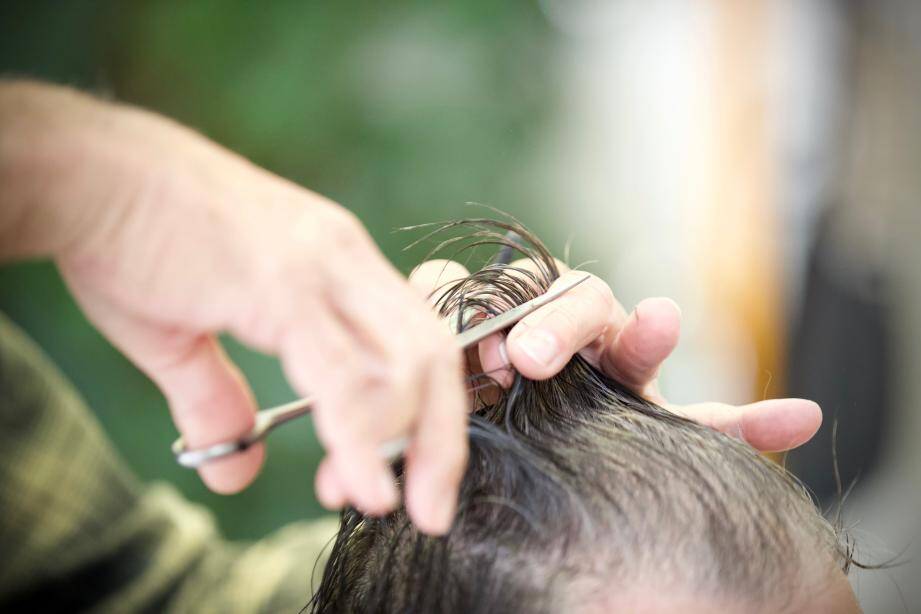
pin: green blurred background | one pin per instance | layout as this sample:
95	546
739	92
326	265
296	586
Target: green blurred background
402	115
757	161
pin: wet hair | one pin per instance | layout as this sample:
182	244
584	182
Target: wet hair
578	491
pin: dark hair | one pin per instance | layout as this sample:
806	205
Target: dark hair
577	489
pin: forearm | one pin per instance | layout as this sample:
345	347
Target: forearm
71	165
46	149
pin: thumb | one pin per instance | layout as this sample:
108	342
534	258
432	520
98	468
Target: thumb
208	396
210	403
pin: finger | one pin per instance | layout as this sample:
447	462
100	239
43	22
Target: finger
769	426
326	362
493	354
210	403
404	374
209	400
437	457
328	488
489	357
542	343
647	338
389	344
630	349
402	346
494	360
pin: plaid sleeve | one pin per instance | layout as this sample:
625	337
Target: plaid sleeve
79	533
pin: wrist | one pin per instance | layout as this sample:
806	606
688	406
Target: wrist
58	166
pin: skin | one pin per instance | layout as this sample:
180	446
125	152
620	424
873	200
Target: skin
831	597
166	239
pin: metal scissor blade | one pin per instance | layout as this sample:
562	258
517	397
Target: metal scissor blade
487	327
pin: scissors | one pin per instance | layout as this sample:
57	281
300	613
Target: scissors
268	419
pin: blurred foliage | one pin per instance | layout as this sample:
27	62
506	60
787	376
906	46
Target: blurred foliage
401	111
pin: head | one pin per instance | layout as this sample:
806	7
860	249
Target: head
580	496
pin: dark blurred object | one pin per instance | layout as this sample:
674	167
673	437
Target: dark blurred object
840	356
868	261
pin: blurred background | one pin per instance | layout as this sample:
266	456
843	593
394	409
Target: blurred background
758	161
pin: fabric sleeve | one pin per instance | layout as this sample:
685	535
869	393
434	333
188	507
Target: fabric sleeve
80	533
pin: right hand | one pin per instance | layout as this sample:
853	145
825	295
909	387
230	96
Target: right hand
170	239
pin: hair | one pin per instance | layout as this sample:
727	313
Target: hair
577	491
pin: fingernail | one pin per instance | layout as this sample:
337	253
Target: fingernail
676	306
503	354
540	345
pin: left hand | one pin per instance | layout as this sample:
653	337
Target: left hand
630	348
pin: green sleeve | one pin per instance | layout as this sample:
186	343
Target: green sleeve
80	533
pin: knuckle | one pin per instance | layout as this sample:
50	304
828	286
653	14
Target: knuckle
291	275
600	292
335	354
304	268
385	389
343	230
563	322
374	380
318	232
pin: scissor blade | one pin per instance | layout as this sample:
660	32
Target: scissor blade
474	335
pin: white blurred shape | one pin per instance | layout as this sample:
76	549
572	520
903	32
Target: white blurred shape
631	155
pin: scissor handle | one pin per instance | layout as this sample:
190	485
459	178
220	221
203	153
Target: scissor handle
266	420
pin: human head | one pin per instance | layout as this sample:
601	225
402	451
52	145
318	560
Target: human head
580	496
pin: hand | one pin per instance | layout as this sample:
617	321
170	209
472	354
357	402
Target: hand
167	240
630	348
